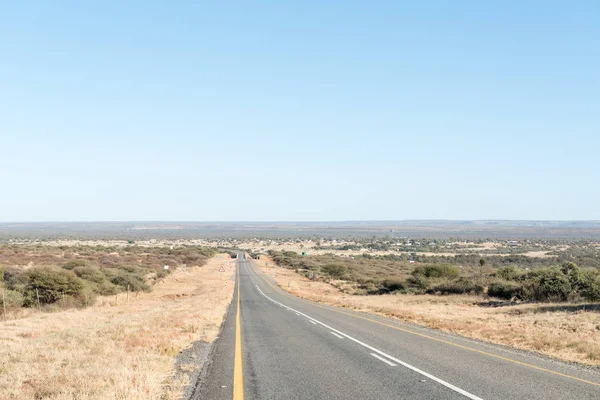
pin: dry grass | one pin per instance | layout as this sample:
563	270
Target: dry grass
120	351
566	335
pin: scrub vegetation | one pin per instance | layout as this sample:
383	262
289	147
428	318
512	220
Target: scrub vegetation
370	275
118	347
57	278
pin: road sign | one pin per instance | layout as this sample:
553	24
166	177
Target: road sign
222	269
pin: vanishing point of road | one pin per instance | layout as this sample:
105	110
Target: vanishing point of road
276	346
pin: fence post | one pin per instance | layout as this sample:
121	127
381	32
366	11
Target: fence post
127	293
38	299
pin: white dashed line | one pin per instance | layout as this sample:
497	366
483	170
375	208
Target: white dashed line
379	352
377	356
336	335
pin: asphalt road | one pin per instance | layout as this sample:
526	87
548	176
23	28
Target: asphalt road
295	349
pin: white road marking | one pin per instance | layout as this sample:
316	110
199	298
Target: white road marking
381	353
336	335
377	356
312	322
297	314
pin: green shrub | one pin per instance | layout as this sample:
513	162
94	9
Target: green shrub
505	290
91	274
51	284
74	263
554	285
161	274
15	279
459	286
134	283
106	288
87	297
589	285
334	270
418	281
132	269
291	254
436	271
391	285
548	284
368	287
13	298
109	272
510	273
568	268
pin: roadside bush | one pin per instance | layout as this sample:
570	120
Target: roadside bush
91	274
134	282
13	298
161	274
548	284
589	285
505	290
459	286
510	273
51	284
368	287
15	279
106	288
554	285
418	282
436	271
334	270
74	263
132	269
391	285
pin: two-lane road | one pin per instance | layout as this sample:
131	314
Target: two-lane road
289	348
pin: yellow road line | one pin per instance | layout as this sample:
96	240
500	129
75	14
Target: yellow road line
330	308
238	375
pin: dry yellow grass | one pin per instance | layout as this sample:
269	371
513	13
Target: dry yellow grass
118	351
569	336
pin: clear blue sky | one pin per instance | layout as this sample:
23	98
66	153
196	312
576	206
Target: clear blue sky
299	110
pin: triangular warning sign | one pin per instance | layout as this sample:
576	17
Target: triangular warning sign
222	269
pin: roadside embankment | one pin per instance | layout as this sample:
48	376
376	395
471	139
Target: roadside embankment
125	350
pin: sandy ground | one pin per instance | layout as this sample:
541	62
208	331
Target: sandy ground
565	335
117	348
